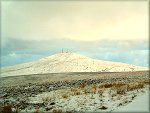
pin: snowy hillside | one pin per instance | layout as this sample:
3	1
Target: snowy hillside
67	62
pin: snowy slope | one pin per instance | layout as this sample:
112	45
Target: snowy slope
67	62
141	104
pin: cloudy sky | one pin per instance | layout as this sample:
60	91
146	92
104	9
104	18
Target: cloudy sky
112	30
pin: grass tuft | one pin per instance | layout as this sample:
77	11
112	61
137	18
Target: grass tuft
7	109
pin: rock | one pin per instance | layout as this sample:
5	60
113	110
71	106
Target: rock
103	108
120	104
48	108
52	103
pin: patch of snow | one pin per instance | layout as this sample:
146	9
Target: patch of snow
140	104
93	102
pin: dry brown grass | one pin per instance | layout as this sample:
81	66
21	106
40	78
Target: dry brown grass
109	85
118	83
64	95
48	99
68	112
6	108
37	111
89	89
57	111
116	88
100	92
75	91
86	91
101	86
121	89
134	86
93	89
82	85
144	80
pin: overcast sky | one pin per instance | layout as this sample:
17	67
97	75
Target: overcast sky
112	30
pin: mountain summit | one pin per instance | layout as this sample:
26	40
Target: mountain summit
67	62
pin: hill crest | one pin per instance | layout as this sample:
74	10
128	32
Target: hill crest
67	62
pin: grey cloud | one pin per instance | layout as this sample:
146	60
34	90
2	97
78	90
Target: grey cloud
16	51
55	45
125	45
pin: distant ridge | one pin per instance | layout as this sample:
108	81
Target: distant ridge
68	62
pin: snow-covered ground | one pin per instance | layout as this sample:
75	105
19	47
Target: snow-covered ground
105	100
140	104
67	62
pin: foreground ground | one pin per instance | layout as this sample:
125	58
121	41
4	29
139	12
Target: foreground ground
73	92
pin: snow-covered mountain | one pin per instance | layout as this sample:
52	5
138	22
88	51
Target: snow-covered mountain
67	62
